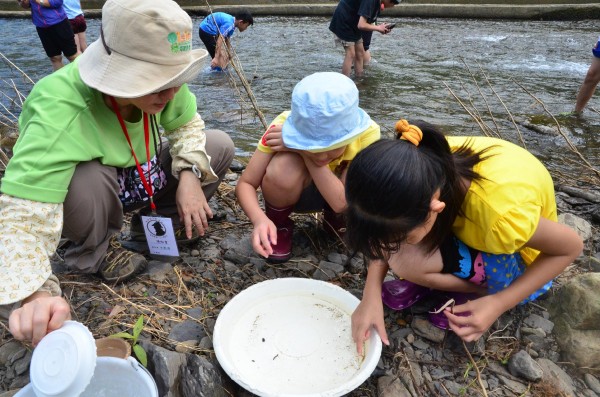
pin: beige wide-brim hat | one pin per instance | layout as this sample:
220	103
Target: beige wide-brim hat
144	47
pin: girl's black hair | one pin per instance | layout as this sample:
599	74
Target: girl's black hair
389	187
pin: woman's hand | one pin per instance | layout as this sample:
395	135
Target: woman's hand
40	315
369	313
191	203
264	236
478	316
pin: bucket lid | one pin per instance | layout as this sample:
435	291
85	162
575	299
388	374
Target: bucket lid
63	363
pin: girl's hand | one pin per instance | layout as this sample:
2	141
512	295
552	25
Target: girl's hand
191	204
36	318
369	313
483	312
273	138
263	235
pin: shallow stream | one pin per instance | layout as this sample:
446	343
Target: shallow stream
419	71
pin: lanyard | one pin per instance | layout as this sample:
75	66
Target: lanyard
147	185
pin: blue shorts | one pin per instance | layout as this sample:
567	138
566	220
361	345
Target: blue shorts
496	272
596	49
501	270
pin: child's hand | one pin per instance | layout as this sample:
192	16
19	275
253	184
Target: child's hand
263	235
383	29
368	313
483	312
273	138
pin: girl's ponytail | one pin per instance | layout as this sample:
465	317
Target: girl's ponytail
390	185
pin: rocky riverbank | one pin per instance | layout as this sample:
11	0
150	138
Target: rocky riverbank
533	350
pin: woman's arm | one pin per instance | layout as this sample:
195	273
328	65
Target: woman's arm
187	146
558	244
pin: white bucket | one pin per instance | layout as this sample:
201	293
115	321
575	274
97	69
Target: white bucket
113	377
66	366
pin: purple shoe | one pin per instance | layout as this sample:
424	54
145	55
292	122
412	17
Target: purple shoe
400	294
440	320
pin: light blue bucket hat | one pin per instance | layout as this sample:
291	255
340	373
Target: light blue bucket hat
325	113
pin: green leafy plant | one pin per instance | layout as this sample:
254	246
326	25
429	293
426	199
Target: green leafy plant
138	350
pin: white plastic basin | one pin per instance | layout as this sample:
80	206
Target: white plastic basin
292	337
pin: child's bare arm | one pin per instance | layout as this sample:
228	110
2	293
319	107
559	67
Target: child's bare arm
264	232
363	24
369	312
412	263
558	244
328	184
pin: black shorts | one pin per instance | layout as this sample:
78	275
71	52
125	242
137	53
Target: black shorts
58	39
210	42
78	24
366	36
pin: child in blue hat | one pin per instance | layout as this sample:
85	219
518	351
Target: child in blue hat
301	160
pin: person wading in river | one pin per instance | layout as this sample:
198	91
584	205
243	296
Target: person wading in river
54	29
216	30
349	18
591	80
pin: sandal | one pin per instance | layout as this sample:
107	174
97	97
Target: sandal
401	294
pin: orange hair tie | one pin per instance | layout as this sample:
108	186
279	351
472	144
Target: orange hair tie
409	132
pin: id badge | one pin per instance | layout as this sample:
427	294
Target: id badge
160	235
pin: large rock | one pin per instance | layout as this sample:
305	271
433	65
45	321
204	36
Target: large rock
554	375
580	225
575	310
577	303
202	378
165	366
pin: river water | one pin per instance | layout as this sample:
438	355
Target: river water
420	70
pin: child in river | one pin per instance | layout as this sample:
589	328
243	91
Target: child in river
301	160
407	197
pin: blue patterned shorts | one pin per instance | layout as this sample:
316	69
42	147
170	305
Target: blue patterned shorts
501	270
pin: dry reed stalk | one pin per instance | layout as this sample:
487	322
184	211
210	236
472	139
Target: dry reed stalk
487	105
12	65
504	105
479	380
460	102
9	130
560	131
488	130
